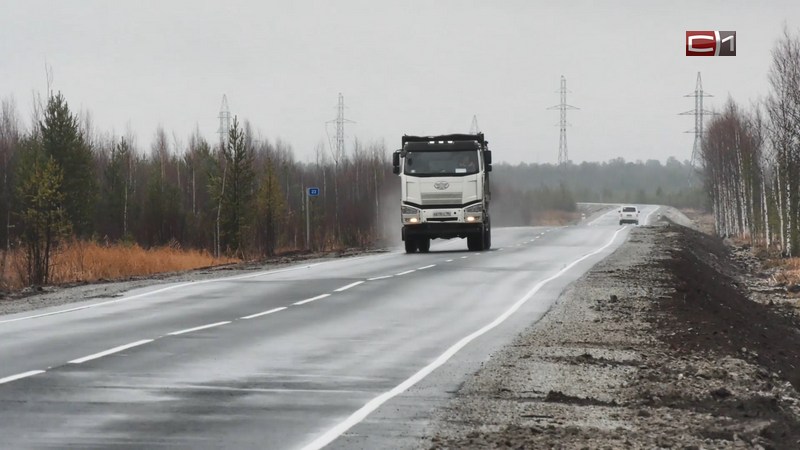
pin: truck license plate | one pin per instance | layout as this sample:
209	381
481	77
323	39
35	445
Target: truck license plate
441	213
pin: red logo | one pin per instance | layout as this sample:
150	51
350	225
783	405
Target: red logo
710	43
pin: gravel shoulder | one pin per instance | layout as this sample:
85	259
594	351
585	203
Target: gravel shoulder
658	346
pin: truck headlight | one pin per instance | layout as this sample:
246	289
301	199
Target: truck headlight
408	210
474	208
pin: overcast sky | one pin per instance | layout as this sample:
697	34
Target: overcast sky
414	67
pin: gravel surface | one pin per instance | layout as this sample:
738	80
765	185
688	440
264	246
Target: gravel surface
48	296
656	347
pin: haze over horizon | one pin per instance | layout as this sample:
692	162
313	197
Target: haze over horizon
406	68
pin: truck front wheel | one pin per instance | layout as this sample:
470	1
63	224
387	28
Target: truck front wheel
424	245
475	242
487	238
411	245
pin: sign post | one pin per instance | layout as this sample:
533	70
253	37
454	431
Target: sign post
310	192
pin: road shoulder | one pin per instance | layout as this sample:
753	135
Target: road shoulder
648	349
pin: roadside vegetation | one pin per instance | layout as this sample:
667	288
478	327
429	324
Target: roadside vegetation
67	186
82	261
751	160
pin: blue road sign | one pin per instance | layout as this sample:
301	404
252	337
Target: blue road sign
313	191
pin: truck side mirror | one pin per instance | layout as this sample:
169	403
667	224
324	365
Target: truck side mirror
487	157
396	162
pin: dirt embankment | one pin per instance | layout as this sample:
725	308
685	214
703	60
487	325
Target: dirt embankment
658	346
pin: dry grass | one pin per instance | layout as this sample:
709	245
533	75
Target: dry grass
788	271
703	219
554	217
88	261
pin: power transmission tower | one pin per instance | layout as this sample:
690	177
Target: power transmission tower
698	112
337	147
224	121
338	152
563	156
474	129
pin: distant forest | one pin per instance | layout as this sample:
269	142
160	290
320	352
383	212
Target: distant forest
525	191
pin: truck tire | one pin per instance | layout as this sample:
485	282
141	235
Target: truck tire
424	245
487	238
475	242
411	245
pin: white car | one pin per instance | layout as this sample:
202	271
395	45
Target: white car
629	214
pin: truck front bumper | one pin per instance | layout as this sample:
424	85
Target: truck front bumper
442	230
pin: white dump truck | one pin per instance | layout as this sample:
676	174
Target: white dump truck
445	190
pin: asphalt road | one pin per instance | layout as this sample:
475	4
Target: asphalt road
354	353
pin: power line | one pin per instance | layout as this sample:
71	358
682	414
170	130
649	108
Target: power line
563	156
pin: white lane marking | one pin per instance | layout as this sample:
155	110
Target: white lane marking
202	327
427	267
449	260
330	435
110	351
20	376
344	288
158	291
500	249
406	272
464	257
309	300
380	278
253	316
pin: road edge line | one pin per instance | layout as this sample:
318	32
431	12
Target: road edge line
359	415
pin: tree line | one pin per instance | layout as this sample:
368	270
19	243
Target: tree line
243	196
751	159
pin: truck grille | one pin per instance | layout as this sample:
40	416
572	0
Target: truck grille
441	198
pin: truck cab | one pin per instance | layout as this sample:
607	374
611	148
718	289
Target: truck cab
445	190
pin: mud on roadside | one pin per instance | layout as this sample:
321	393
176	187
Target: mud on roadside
656	347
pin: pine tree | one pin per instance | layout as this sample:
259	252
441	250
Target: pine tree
233	187
63	141
41	211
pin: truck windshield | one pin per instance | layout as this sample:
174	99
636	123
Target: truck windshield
455	163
